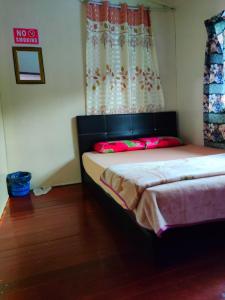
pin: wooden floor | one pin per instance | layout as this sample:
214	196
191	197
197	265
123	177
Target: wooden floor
66	245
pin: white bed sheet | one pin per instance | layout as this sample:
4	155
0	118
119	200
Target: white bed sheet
95	163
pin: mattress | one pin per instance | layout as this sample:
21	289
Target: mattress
95	163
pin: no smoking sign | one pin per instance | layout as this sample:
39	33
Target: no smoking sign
26	36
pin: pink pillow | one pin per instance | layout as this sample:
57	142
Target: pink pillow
161	142
119	146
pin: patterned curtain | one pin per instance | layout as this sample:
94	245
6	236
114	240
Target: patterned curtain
122	72
214	88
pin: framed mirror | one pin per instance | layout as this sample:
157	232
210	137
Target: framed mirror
28	64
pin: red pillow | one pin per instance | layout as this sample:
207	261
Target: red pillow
161	142
119	146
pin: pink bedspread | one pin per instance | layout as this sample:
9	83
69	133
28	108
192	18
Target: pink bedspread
171	193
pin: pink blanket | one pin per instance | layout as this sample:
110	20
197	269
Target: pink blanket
166	194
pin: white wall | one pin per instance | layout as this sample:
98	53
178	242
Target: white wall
3	166
3	158
39	119
191	41
164	32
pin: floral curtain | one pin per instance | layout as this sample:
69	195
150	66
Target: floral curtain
214	88
122	72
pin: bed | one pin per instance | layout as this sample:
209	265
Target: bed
160	207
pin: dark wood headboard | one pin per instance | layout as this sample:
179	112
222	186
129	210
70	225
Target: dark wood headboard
92	129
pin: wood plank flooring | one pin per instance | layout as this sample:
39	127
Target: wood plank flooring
66	245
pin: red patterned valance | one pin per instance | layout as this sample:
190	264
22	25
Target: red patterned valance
114	15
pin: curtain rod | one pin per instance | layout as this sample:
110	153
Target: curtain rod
156	5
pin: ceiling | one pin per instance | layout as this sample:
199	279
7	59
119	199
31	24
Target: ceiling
173	3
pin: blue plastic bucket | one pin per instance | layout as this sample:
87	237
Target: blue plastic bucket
18	183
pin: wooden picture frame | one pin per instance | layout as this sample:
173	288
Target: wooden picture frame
30	70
